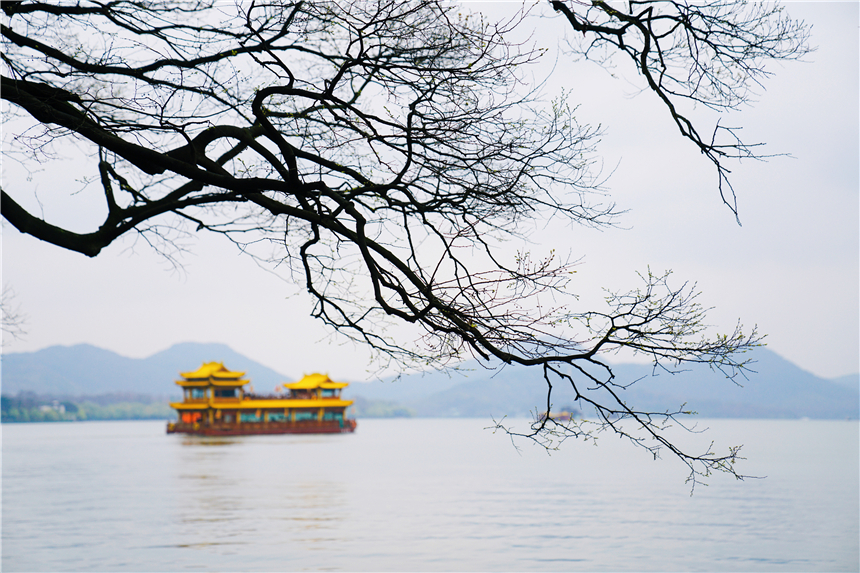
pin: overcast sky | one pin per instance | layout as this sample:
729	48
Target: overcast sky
792	268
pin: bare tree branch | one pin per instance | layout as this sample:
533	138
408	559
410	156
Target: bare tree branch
381	152
13	319
711	53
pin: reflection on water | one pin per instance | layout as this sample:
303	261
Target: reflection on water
420	495
198	441
259	489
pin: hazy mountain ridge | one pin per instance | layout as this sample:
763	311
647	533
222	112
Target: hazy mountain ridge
849	380
84	369
775	389
778	388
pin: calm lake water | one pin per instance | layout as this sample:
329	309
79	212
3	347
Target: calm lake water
422	495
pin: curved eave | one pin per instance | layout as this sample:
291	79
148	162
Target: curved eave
212	369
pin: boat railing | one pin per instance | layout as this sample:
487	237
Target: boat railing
254	396
289	396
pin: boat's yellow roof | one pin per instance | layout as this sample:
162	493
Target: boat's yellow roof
311	381
212	370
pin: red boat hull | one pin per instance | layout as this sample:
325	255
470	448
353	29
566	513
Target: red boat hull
261	428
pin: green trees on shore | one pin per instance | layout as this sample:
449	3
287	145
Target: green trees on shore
30	407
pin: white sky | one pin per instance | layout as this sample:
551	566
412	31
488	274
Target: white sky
793	268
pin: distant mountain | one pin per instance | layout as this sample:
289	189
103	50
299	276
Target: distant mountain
176	358
849	381
86	370
408	388
778	388
471	391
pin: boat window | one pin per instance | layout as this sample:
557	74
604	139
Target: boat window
327	393
225	392
197	393
249	417
333	416
306	415
276	417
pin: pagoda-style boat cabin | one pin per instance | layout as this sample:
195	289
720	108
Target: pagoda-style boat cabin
216	404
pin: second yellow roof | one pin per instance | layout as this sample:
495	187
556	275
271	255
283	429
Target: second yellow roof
311	381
